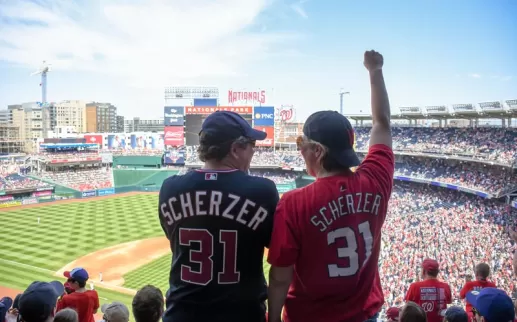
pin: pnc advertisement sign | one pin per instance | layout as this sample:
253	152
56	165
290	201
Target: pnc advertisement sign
247	96
264	116
270	139
173	115
174	136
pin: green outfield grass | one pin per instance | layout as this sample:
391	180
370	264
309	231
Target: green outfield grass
69	231
158	272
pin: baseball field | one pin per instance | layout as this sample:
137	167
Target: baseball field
117	239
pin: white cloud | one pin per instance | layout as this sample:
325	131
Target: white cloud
148	42
297	7
474	75
507	78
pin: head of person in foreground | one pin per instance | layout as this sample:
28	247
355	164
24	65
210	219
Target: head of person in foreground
38	302
227	141
491	305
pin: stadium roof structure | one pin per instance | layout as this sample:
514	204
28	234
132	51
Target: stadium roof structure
486	110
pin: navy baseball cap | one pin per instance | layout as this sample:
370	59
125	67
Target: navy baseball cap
78	274
493	304
225	126
334	131
5	305
39	300
456	314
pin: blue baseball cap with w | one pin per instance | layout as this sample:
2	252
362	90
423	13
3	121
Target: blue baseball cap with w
493	304
224	126
39	300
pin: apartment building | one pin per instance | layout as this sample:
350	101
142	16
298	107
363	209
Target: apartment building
4	116
33	122
10	141
71	113
120	124
101	117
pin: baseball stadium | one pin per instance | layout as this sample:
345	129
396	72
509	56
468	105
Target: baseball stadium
91	200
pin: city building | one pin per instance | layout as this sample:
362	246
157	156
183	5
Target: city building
33	121
4	116
101	117
120	124
138	125
70	113
288	132
10	141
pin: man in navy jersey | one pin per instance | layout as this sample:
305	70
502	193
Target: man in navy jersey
218	220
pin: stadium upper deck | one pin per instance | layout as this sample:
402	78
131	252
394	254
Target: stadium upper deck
505	111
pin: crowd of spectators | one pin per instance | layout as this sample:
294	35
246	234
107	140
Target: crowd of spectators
478	176
458	230
11	178
489	143
82	179
68	155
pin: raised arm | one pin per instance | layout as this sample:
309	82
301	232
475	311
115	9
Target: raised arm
381	129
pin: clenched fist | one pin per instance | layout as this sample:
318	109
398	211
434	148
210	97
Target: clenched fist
373	60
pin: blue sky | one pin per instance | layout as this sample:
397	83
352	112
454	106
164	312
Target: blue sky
300	52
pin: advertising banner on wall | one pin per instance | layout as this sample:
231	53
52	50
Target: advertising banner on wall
41	193
116	141
173	115
157	141
270	139
174	136
106	191
138	141
175	156
12	203
6	198
29	201
89	138
264	116
91	193
210	110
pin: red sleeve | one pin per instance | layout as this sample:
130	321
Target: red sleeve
379	166
449	294
60	304
464	290
410	295
284	246
96	301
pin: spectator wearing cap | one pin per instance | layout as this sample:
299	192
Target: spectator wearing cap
85	302
38	302
66	315
12	314
430	293
411	312
5	306
482	272
456	314
115	312
148	304
491	305
393	314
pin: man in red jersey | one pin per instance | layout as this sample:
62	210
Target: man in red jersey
430	293
84	302
326	237
482	272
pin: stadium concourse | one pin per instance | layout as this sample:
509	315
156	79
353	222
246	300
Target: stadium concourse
453	200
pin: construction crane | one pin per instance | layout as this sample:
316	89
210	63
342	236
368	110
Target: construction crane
44	69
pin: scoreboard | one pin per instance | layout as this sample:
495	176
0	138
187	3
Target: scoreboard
196	115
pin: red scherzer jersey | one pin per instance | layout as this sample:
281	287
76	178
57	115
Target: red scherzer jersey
331	232
432	295
473	286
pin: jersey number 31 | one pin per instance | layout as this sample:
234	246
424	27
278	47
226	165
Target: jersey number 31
202	256
350	251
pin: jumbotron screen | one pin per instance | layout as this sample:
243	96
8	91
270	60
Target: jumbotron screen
195	116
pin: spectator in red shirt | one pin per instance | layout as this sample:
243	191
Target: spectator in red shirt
84	302
482	272
431	294
339	217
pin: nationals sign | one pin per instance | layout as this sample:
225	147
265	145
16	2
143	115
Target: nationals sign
270	139
236	96
286	113
174	136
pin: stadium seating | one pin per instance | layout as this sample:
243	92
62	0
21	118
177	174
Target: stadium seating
81	179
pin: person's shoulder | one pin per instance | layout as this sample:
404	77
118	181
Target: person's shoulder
261	182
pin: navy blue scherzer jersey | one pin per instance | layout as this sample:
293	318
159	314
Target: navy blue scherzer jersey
218	223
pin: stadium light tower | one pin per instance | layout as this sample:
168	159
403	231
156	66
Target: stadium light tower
44	69
341	94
